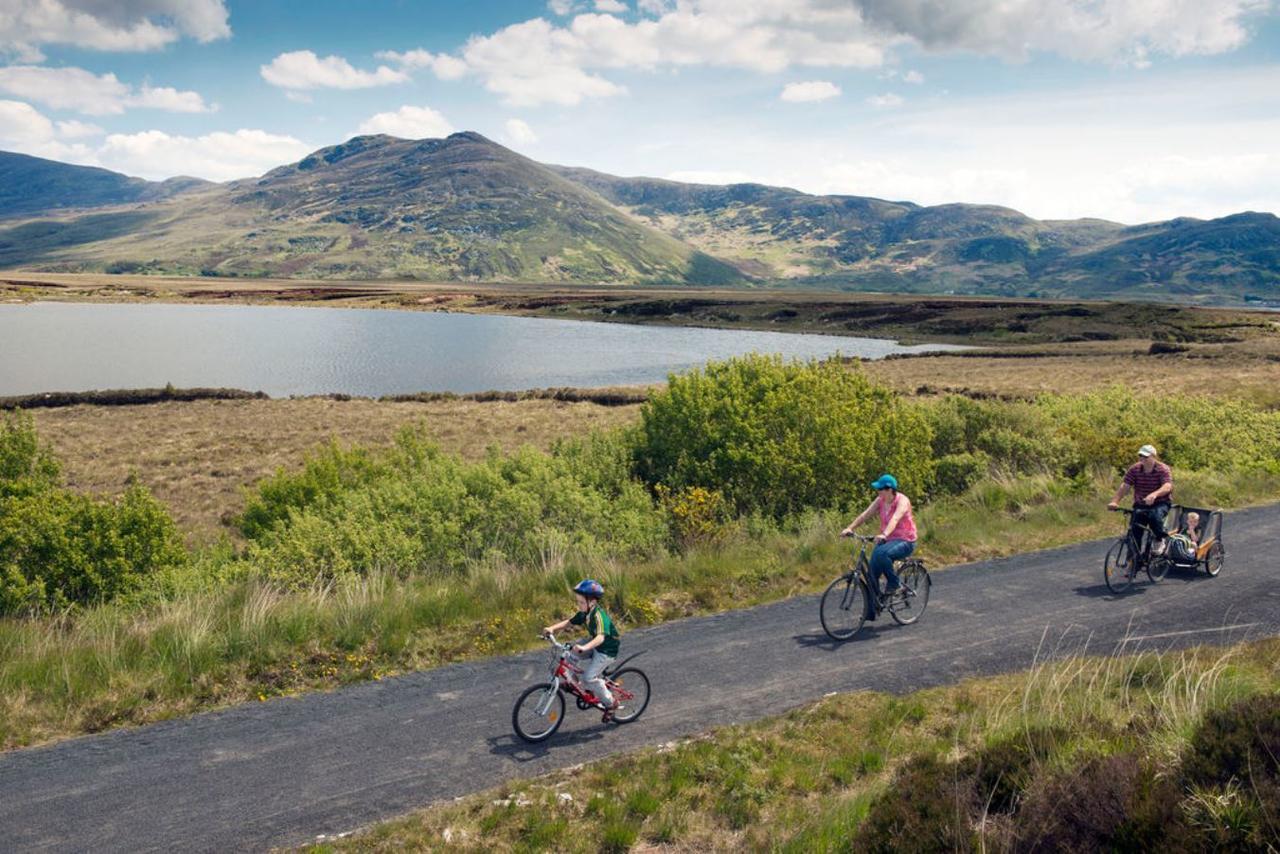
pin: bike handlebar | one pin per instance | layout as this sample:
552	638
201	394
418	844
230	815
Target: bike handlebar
864	538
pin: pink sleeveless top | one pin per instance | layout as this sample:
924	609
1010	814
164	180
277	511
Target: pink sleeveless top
906	529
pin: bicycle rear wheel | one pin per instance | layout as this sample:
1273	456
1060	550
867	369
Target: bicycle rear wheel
537	715
1118	566
843	607
1157	567
633	682
1215	558
907	606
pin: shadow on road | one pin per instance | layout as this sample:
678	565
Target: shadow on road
821	640
511	747
1100	591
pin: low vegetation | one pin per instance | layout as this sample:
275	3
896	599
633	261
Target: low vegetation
366	561
1174	751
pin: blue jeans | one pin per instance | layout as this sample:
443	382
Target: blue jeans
882	558
1152	518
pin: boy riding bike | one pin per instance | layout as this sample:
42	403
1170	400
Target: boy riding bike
897	537
601	649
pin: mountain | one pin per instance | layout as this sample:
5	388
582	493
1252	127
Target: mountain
32	185
465	208
458	208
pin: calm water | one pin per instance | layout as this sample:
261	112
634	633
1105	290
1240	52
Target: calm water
284	351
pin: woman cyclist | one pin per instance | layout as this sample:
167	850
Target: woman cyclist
897	537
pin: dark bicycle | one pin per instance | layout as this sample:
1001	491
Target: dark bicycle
1130	555
843	609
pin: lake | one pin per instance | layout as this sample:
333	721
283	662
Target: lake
301	351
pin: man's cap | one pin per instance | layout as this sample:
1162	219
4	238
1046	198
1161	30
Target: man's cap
1147	451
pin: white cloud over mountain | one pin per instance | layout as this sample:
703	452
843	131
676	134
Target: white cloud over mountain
518	132
302	69
218	156
93	94
135	25
408	122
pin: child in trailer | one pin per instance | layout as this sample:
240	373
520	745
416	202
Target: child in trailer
600	649
1183	541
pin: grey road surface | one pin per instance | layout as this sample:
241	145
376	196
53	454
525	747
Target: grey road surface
287	770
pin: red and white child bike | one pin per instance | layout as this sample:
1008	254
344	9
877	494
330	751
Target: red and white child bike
540	709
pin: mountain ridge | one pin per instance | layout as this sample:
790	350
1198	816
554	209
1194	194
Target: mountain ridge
465	208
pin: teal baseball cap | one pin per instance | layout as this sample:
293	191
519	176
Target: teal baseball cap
885	481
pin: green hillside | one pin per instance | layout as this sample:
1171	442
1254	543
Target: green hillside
464	208
33	185
459	208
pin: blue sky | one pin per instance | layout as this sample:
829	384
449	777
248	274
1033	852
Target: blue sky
1132	110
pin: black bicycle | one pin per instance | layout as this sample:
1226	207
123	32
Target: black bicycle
1130	555
843	609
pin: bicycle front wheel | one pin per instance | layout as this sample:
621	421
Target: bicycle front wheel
908	604
843	607
630	689
1118	567
538	713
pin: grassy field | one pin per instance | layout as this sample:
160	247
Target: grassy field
199	457
1047	757
961	320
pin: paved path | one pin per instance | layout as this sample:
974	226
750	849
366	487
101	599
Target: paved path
284	771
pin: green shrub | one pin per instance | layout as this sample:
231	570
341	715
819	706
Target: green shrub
928	807
1240	742
412	508
60	548
955	473
776	437
26	466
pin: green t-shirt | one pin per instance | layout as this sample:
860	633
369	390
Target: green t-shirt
598	622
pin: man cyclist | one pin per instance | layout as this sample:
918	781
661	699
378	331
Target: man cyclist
1152	485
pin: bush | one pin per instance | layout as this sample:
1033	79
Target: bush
955	473
59	548
412	508
26	466
776	437
928	807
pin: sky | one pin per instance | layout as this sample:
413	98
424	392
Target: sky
1128	110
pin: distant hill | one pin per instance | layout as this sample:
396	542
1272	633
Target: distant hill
465	208
33	185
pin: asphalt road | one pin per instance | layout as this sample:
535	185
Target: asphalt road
285	771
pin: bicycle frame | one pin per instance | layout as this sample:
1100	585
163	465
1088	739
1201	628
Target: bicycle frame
566	677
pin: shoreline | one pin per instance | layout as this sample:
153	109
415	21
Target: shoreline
904	318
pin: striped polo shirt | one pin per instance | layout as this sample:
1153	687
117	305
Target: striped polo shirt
1144	483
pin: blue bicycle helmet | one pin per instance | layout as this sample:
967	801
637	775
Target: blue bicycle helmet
590	587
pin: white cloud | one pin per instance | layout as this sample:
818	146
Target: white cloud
519	132
72	129
302	69
153	154
220	156
914	77
96	95
444	66
810	90
888	99
26	130
538	62
408	122
1100	30
136	25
